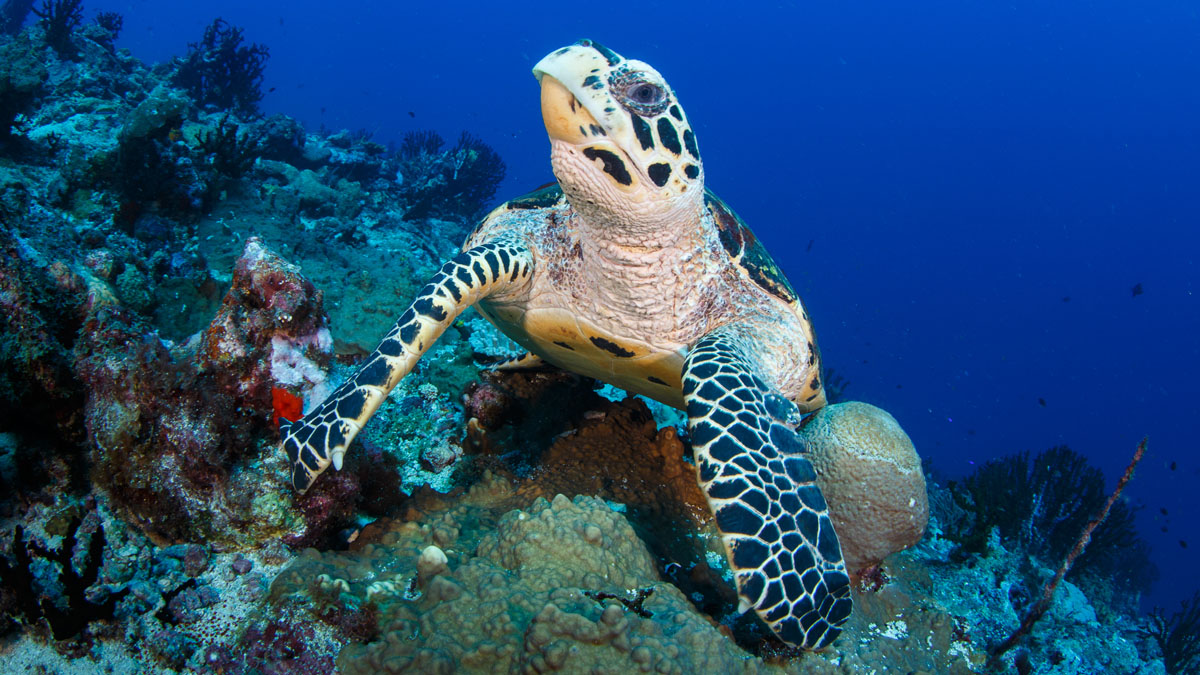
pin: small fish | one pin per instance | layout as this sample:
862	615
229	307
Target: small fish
1182	543
1042	402
412	114
1164	528
1162	510
1173	466
1066	298
1137	289
810	244
271	90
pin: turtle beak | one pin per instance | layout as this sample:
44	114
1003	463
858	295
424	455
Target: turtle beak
573	101
564	116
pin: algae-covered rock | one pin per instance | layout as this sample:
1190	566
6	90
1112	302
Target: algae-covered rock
165	105
179	437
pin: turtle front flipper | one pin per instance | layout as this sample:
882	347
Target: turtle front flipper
322	436
526	361
773	520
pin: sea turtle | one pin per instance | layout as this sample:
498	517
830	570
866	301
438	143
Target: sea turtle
629	271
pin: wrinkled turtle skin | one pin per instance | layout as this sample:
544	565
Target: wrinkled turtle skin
629	271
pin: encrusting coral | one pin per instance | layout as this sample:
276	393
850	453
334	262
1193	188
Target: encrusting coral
485	581
871	476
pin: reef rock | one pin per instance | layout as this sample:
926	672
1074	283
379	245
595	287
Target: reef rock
269	332
41	307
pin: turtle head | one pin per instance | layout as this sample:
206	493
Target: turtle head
621	146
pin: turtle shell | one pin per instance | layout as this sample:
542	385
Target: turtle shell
547	195
746	251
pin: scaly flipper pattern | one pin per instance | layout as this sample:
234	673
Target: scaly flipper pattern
778	536
322	436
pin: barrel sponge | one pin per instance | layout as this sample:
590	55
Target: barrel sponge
871	477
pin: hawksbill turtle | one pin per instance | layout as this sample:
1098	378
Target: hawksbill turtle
628	270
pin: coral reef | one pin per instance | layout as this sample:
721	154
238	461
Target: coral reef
489	343
41	308
270	331
229	153
1038	609
989	593
1041	504
459	182
22	76
871	476
150	170
177	273
43	584
111	23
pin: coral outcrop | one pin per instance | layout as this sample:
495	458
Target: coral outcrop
178	435
871	476
270	331
22	75
1041	503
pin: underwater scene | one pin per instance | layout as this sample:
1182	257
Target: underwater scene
668	337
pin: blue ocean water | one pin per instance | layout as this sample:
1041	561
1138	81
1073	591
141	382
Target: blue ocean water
966	194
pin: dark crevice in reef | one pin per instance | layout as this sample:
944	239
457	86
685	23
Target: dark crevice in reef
23	604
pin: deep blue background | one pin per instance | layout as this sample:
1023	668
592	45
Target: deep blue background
981	183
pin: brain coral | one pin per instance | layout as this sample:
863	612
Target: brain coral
871	476
561	585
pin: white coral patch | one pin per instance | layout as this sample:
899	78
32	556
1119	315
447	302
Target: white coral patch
291	367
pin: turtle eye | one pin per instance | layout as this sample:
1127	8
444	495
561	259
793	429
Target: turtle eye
646	94
638	94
